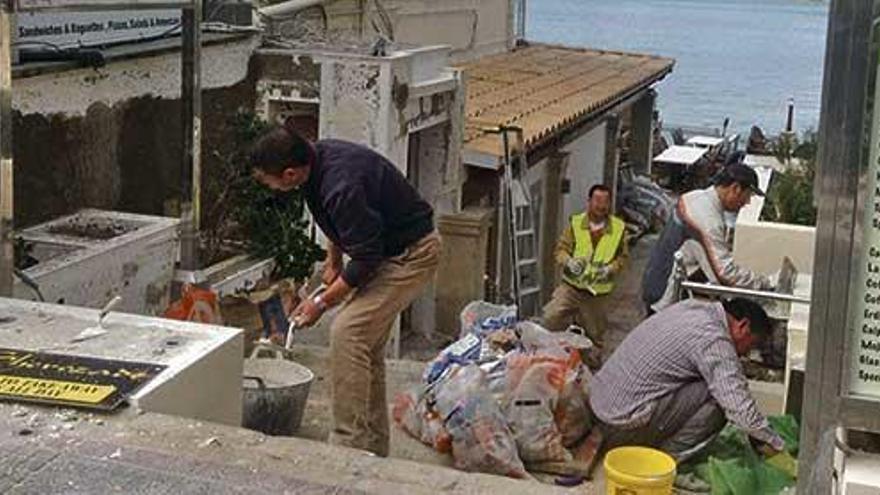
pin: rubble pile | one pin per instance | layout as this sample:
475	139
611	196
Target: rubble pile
506	395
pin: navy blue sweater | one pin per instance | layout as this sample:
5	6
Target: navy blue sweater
365	206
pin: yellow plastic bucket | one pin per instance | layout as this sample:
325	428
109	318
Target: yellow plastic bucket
638	471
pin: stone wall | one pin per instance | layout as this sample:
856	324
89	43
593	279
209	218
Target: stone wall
111	138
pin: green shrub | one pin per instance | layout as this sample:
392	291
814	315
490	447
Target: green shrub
244	214
790	198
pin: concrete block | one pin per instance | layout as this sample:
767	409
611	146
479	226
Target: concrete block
204	366
230	277
87	258
460	278
762	245
861	475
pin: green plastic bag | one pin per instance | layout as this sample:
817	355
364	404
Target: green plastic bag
732	467
788	429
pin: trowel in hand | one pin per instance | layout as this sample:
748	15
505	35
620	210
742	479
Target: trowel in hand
294	323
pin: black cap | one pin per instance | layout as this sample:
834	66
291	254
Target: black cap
735	157
743	175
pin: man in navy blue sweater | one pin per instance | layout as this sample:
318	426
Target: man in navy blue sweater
369	212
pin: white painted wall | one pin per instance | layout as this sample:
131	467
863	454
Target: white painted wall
861	475
472	28
73	92
586	167
361	98
762	245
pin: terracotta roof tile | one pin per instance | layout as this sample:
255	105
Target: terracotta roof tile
546	88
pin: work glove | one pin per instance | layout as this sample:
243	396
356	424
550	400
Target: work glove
575	267
785	463
602	272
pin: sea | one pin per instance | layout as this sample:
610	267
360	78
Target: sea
737	59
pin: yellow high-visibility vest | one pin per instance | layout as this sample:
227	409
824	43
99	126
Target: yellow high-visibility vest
604	253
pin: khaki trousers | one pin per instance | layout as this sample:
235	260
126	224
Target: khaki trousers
357	345
570	305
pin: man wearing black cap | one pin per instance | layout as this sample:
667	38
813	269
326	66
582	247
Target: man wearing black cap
697	229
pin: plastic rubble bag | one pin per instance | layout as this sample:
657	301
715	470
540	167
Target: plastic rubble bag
464	351
412	413
787	427
487	334
496	377
536	337
530	413
481	440
498	343
535	381
519	362
573	415
481	317
195	304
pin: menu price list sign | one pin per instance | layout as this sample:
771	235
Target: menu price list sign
95	28
77	381
865	316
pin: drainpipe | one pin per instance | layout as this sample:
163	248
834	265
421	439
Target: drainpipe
7	244
289	7
521	28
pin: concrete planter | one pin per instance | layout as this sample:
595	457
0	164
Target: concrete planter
233	280
232	276
87	258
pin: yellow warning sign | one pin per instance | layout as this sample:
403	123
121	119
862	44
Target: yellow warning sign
71	380
54	390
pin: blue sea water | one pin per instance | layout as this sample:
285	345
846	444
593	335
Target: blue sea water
741	59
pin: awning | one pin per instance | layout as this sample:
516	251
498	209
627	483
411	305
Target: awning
548	89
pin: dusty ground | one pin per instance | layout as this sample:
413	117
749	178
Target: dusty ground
49	451
625	307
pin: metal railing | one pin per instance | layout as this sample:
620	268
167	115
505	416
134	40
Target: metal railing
682	284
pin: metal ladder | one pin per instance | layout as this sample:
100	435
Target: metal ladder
519	223
525	263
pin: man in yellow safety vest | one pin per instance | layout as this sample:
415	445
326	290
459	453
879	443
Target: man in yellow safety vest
591	252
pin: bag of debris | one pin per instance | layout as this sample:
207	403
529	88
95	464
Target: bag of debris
496	377
481	440
562	359
536	382
465	350
534	337
410	410
574	418
481	317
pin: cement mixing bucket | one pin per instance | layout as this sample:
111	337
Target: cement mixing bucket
639	471
275	392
